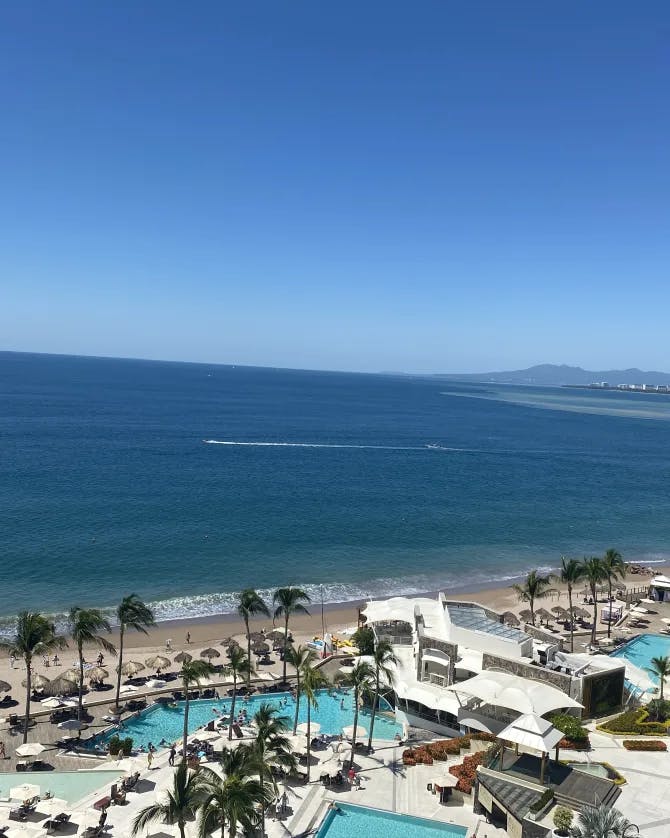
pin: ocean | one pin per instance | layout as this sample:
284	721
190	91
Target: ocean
188	482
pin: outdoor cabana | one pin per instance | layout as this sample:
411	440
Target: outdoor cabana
534	733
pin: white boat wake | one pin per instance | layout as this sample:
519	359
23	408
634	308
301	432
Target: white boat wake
314	445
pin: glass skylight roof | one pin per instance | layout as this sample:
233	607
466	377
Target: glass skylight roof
475	619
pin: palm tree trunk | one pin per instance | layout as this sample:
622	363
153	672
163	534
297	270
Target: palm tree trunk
185	736
531	603
572	620
595	612
246	623
182	828
353	738
285	643
260	777
118	675
233	828
609	602
26	720
80	705
374	711
309	744
232	707
297	701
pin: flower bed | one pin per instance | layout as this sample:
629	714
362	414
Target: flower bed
633	722
644	745
466	772
442	750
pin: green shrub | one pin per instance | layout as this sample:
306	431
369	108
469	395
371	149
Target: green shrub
644	745
122	746
538	806
571	727
632	722
563	819
364	639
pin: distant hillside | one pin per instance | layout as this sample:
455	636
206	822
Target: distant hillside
558	374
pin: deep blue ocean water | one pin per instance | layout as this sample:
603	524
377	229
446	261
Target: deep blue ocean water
107	487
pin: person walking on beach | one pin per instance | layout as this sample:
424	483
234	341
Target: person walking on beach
173	753
150	757
56	660
12	660
2	751
188	636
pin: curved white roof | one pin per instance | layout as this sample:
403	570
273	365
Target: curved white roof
515	693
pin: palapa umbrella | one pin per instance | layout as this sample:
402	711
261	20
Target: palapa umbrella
229	641
97	673
158	662
275	634
210	653
543	614
61	686
256	636
30	749
38	682
525	615
511	619
5	687
261	648
131	668
560	612
580	612
183	657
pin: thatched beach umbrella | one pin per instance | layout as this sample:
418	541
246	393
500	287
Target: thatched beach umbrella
97	674
580	612
39	682
560	612
183	657
261	648
229	641
131	668
543	614
210	653
525	615
275	634
71	675
5	687
61	686
158	662
510	619
256	636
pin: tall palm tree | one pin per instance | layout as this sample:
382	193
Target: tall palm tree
271	750
660	667
232	799
603	822
131	613
181	803
312	681
85	625
238	665
360	679
289	601
594	574
535	586
34	635
192	672
299	657
249	605
570	573
383	663
614	568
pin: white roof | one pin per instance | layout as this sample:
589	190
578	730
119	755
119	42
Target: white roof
532	732
660	582
469	659
402	608
514	692
430	695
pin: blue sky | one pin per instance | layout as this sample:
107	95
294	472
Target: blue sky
437	186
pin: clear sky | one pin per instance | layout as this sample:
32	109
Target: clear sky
432	186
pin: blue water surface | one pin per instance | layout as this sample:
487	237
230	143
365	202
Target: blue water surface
640	650
347	821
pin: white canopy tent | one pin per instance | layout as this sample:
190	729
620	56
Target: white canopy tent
534	732
501	689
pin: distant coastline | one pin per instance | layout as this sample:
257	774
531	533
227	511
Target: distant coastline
644	389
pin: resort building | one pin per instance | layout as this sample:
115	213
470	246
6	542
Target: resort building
461	668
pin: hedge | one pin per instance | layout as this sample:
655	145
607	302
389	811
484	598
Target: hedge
644	745
576	735
633	722
538	806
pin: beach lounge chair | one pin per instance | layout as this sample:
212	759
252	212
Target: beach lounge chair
118	797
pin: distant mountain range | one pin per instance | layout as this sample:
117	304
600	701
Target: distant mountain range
558	374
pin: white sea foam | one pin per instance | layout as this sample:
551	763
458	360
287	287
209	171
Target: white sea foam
314	445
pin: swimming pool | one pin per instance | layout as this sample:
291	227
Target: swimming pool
346	821
640	650
160	722
70	785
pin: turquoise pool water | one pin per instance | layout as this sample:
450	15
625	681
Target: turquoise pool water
642	649
159	722
70	785
347	821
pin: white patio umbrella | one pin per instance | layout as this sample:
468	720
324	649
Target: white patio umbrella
155	683
446	781
30	749
53	805
128	688
51	703
314	728
72	724
348	732
26	791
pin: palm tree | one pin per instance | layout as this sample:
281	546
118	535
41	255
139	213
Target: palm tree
299	657
232	799
534	587
614	568
84	625
182	802
594	574
361	678
34	635
272	749
239	664
289	601
131	613
603	822
660	667
384	660
191	673
312	681
570	573
249	605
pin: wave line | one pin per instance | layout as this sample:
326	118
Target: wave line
314	445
